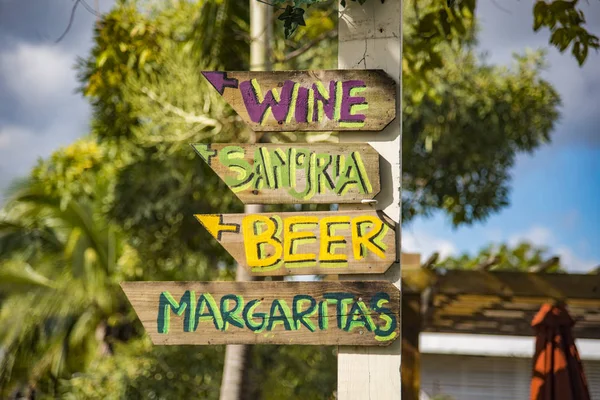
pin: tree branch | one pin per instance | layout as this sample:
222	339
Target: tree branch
543	267
71	18
187	117
429	263
303	49
488	264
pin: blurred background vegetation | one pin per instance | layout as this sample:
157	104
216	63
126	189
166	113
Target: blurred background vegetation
117	204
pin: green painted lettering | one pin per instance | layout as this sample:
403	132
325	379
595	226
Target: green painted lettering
232	316
166	304
300	317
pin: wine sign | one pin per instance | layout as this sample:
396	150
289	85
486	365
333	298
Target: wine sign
335	100
286	174
320	243
317	313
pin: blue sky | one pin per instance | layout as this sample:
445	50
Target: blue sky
555	198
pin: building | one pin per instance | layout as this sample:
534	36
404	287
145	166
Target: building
475	367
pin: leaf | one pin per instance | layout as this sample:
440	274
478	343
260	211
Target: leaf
292	17
102	59
539	14
560	6
19	276
143	56
580	51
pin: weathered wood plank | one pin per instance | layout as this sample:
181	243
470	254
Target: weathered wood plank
411	354
321	243
295	173
334	100
508	284
317	313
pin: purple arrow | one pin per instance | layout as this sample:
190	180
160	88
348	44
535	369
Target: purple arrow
220	81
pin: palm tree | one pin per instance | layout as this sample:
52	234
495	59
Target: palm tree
60	289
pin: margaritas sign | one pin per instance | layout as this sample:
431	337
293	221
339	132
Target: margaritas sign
334	313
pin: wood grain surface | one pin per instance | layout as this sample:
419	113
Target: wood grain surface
333	100
319	243
315	313
295	173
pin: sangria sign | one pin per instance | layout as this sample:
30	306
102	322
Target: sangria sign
333	100
286	174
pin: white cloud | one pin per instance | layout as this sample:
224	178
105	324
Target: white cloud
574	263
507	28
537	235
4	140
20	146
542	236
426	244
38	74
45	112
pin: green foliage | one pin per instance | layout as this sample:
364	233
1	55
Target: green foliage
51	315
119	204
292	17
452	20
75	171
125	45
140	370
18	276
292	372
137	177
565	22
510	258
461	137
430	29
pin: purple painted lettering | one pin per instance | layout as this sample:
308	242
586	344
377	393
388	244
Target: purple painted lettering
220	81
328	103
257	110
301	112
348	101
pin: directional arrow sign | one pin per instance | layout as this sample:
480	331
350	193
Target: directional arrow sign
336	100
285	174
318	243
319	313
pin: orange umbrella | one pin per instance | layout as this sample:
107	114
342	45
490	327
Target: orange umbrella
557	370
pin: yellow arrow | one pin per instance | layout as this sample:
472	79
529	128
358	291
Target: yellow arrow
215	226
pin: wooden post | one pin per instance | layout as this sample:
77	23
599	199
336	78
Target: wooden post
411	356
370	37
237	355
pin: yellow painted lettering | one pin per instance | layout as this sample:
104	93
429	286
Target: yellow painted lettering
262	242
331	242
368	233
292	239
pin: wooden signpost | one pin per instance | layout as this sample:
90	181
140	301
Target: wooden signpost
302	244
291	173
357	312
318	313
336	100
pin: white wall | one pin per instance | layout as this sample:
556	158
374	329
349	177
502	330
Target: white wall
469	377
